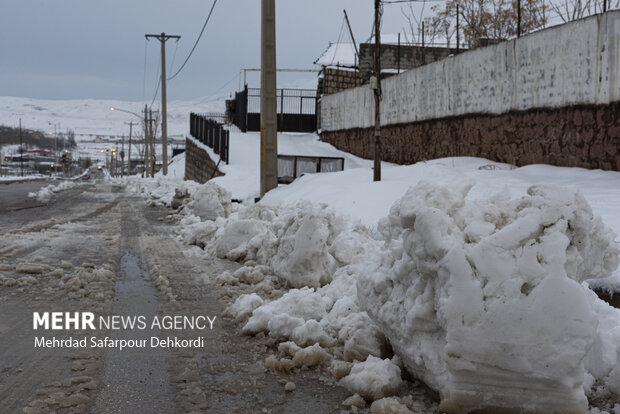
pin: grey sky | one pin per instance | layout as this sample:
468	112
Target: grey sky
75	49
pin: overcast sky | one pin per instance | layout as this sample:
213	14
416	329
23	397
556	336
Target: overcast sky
75	49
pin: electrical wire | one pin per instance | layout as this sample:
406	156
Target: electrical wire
403	1
174	55
338	41
156	90
195	44
225	85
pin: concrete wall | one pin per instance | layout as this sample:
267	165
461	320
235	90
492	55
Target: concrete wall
199	166
573	64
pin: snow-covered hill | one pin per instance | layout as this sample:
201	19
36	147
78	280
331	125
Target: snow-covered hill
92	117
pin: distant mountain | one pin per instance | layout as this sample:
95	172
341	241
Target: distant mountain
90	118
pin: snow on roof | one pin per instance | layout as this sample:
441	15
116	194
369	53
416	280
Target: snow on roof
338	54
407	40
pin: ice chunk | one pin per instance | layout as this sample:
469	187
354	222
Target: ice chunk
297	305
373	379
244	305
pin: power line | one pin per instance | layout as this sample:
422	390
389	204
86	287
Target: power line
174	55
195	44
156	90
225	85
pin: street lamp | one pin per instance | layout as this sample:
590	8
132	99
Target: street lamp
112	108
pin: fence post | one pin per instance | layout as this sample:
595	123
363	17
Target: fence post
227	146
281	126
301	110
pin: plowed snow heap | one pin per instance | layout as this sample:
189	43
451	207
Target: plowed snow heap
483	299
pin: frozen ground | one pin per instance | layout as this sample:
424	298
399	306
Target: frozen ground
96	247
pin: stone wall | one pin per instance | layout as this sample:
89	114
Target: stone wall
199	166
336	80
410	57
585	136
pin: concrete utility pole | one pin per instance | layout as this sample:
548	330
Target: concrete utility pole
123	157
21	147
377	161
164	120
145	173
151	169
268	100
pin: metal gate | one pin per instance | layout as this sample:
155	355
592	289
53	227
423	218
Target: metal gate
296	109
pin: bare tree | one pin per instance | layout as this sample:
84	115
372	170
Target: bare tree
413	33
569	10
492	19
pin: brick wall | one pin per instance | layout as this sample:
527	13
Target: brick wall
199	166
585	136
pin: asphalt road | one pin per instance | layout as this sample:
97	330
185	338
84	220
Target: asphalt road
99	248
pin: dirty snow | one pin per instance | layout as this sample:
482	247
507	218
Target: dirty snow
46	193
303	248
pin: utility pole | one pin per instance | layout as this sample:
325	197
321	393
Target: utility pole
123	157
268	102
21	147
129	150
357	54
151	170
164	121
145	172
377	160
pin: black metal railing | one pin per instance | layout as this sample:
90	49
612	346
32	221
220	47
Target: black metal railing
211	133
296	109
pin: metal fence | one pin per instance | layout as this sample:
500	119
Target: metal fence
296	109
289	101
211	133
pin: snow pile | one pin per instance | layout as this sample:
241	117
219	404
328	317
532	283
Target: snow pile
310	250
373	379
46	193
483	299
297	243
160	190
244	306
209	201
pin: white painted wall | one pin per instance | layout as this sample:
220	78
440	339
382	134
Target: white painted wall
576	63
